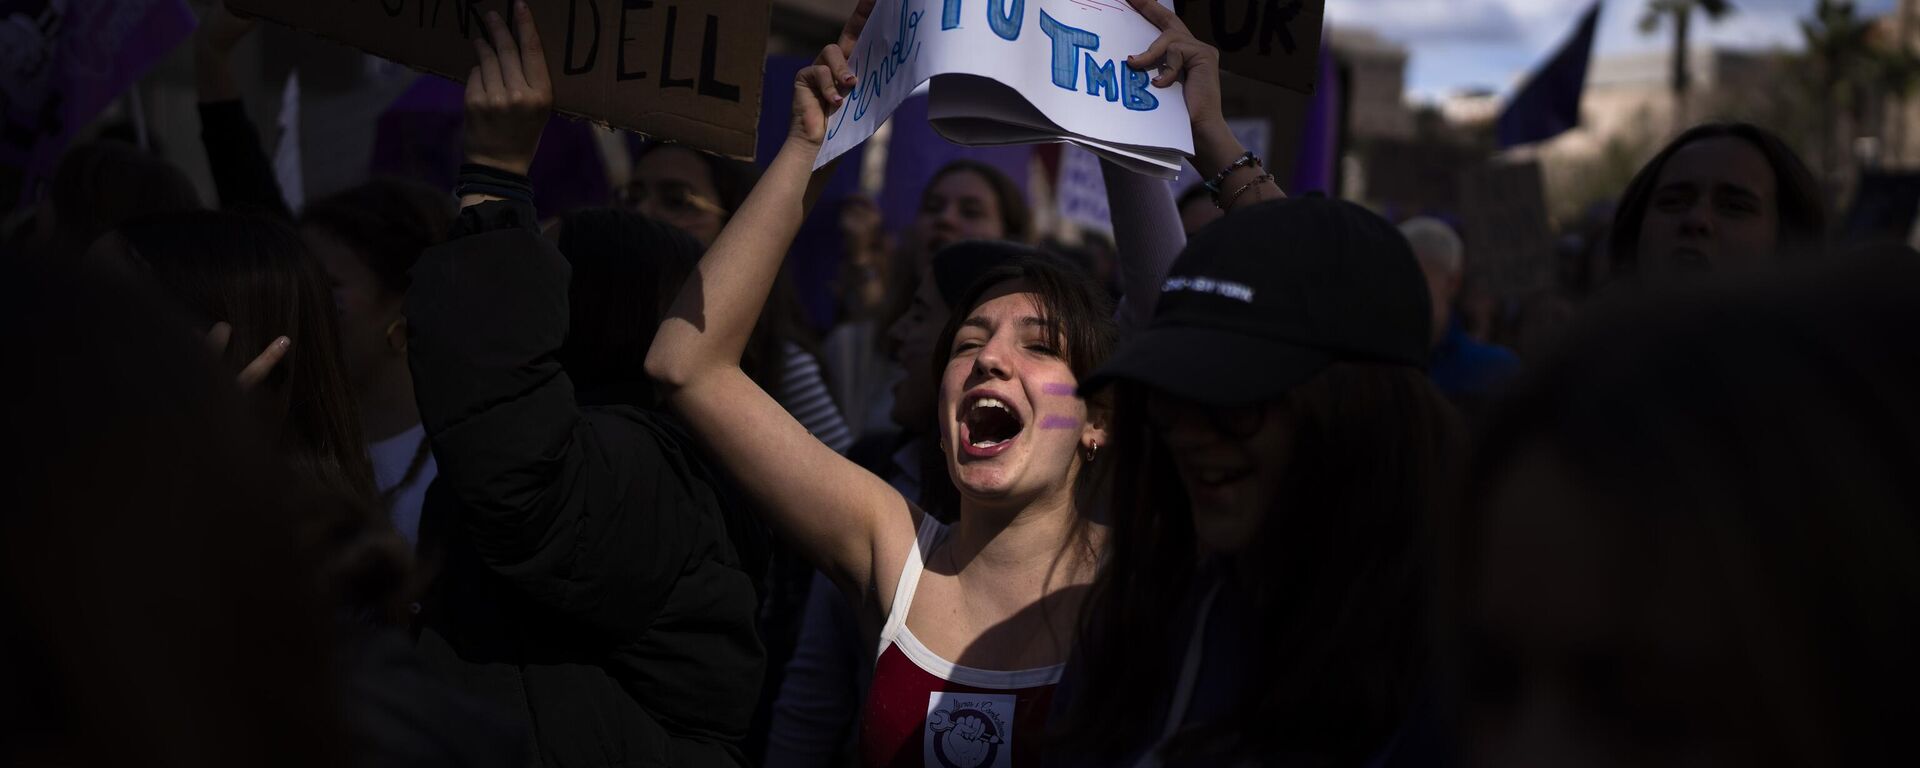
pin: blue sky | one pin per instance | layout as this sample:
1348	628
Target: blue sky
1492	43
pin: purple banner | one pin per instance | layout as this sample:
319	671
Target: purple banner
62	62
814	260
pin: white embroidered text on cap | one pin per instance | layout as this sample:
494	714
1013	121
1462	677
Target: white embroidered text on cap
1226	288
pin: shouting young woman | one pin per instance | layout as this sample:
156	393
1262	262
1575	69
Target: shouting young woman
971	621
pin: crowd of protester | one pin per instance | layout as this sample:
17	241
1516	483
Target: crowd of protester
410	476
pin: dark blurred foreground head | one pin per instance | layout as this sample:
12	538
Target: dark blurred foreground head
627	269
1723	197
256	275
158	598
1693	536
103	184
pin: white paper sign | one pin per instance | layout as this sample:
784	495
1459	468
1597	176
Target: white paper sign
1066	58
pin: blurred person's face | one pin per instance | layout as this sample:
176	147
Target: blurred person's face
1011	423
672	184
1588	643
959	206
912	338
1714	208
373	332
1197	214
1231	461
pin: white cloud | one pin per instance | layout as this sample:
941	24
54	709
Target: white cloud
1419	22
1491	43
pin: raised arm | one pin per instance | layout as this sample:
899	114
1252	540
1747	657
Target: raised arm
1180	57
242	174
1146	236
840	515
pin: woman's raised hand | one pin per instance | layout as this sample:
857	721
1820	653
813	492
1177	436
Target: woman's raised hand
509	94
1181	58
821	87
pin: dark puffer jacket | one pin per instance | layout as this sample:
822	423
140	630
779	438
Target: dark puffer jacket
586	578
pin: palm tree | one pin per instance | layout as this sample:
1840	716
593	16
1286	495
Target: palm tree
1844	66
1681	12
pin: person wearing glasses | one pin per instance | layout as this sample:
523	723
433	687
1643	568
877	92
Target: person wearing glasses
698	193
689	189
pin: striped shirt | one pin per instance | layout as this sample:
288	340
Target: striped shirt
804	394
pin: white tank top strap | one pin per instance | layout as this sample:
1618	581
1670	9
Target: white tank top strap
930	531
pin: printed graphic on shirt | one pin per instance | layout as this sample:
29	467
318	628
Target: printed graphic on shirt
968	730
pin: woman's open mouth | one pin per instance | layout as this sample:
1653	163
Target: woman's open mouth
988	425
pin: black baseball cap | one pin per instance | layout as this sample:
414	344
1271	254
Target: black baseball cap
1265	298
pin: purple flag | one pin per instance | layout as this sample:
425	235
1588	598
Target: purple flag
1549	103
62	62
813	261
1317	164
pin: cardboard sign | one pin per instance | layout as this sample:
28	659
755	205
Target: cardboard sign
681	70
1274	41
1042	70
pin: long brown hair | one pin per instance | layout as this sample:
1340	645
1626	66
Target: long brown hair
255	274
1340	608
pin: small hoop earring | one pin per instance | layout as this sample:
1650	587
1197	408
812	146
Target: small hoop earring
1093	452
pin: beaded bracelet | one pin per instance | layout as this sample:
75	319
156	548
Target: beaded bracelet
1213	186
1228	205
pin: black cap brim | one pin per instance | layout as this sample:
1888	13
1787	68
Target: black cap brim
1210	366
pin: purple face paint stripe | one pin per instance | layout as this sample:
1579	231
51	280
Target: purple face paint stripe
1059	422
1055	388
